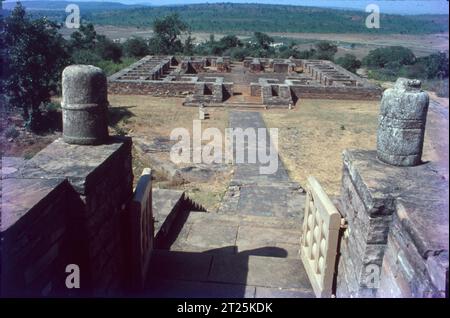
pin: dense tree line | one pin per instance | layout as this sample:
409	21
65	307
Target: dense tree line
229	17
389	63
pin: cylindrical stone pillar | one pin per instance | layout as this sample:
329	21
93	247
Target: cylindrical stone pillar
401	123
84	105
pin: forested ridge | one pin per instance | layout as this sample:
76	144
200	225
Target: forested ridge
228	17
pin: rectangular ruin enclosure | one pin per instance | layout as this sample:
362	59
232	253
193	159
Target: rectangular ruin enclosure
222	78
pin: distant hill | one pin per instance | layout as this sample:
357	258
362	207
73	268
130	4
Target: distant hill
61	5
227	17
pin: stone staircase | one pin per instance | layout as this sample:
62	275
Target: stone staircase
230	255
249	248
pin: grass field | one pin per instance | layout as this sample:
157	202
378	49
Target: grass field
311	137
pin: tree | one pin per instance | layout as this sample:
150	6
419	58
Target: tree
230	41
435	65
154	45
325	50
286	52
381	57
167	30
107	49
263	40
349	62
84	38
188	47
36	57
307	54
136	47
87	57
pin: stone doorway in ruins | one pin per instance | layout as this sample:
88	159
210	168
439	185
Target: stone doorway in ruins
242	96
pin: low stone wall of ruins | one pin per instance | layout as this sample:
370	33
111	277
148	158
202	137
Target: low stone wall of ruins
153	88
326	92
336	92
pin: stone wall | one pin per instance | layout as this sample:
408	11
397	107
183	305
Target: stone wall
276	95
153	88
336	92
413	265
37	241
102	178
396	241
326	92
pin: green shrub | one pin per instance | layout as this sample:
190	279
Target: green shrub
87	57
136	47
349	62
109	67
393	54
108	50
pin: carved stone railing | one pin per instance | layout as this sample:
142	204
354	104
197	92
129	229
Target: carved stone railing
140	221
320	238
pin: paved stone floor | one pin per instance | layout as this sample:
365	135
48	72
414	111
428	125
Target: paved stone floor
248	249
258	194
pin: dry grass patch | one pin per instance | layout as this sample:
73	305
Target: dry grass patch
149	117
313	136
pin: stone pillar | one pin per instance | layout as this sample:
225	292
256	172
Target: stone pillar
401	124
84	105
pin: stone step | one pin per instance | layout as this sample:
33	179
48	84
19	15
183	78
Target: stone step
214	233
256	103
285	200
288	185
191	274
169	207
228	105
293	223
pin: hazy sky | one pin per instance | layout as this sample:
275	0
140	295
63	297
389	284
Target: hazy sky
387	6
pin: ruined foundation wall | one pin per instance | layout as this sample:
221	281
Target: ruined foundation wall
333	92
153	88
396	241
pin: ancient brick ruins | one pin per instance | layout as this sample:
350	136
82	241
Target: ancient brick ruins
255	81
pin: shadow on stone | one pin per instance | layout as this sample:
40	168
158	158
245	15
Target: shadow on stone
213	273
